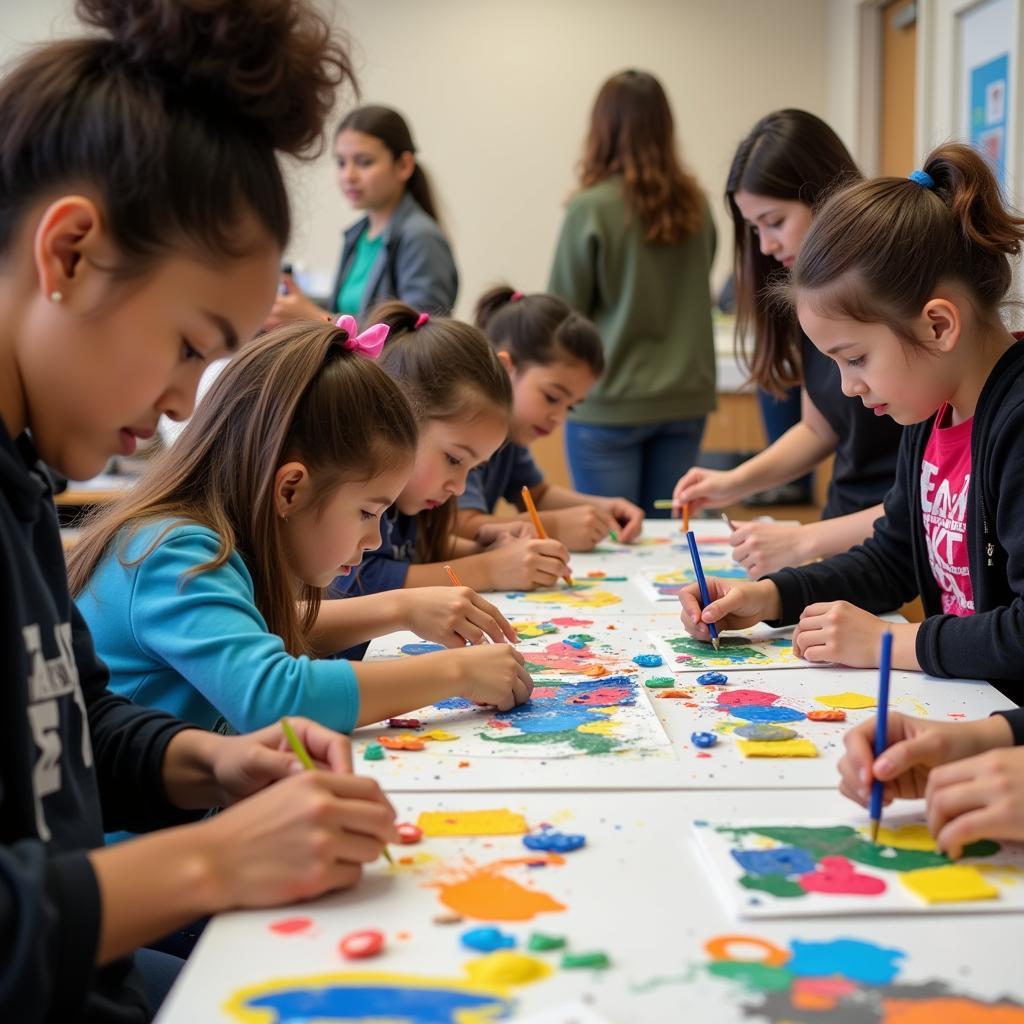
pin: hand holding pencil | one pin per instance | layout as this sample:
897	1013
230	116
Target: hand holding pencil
531	508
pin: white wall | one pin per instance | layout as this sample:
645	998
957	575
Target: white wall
498	93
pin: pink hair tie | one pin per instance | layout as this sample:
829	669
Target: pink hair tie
422	319
369	343
515	296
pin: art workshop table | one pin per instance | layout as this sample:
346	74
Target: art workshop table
637	891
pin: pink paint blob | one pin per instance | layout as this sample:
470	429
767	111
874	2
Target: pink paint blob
291	925
737	698
544	691
603	696
837	875
497	723
571	622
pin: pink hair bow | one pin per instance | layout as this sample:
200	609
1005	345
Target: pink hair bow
369	343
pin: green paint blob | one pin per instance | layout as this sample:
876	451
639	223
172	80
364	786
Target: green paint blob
596	960
373	752
583	638
753	976
660	683
846	841
588	742
777	885
731	648
541	943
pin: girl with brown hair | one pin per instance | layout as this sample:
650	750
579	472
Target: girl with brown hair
634	255
788	163
900	282
398	250
202	586
462	399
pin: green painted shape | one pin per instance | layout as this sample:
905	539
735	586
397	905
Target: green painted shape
583	638
753	976
373	752
596	959
729	647
660	683
541	943
846	841
777	885
588	742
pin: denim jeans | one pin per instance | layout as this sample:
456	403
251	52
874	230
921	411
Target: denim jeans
640	463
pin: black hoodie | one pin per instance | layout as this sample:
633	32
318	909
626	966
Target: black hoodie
891	567
75	760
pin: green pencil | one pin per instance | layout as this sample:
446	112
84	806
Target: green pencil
307	762
663	503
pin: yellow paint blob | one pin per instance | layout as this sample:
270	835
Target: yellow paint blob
905	837
574	598
501	822
778	748
952	884
1006	874
506	968
601	728
848	700
530	630
438	734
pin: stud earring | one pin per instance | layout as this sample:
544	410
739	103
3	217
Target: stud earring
56	296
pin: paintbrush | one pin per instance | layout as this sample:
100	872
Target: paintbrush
537	524
698	571
307	762
729	522
881	730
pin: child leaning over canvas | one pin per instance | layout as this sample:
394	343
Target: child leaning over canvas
900	282
202	586
553	356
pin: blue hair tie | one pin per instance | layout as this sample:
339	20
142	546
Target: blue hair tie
922	178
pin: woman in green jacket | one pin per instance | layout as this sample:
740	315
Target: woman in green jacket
634	255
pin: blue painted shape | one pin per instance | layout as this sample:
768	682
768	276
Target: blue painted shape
712	679
487	940
366	1001
849	958
765	732
423	648
759	713
703	739
782	860
649	660
455	704
575	644
565	710
553	841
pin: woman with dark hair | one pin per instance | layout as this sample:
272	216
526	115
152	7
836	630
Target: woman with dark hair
396	251
788	162
634	255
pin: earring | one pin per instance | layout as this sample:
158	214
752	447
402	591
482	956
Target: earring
56	296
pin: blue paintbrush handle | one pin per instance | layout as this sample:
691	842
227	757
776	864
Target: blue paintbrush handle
881	721
698	571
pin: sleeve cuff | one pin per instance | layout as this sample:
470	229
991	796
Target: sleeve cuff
1015	718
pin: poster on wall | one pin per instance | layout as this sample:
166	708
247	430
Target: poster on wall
989	101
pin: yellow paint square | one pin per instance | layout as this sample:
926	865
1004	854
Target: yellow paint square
848	700
778	748
952	884
501	822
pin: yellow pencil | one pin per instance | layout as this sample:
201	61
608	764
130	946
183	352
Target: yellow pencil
307	762
537	524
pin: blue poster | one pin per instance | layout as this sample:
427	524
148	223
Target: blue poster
989	116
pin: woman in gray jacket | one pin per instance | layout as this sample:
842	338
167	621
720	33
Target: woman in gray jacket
397	251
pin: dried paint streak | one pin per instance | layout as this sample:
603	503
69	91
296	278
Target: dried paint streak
849	701
954	883
500	822
486	893
846	841
777	748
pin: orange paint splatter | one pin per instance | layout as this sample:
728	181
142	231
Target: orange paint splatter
404	742
948	1010
485	893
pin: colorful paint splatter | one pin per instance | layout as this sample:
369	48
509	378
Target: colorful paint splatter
664	584
840	981
683	653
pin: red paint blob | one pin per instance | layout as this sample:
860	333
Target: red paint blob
360	945
837	875
291	925
736	698
404	723
409	833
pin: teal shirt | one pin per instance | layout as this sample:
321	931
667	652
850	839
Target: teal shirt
200	649
350	294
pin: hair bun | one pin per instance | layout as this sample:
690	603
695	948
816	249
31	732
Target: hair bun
273	63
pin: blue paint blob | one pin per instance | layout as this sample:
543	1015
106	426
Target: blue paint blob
577	645
765	732
703	739
573	705
649	660
849	958
487	940
553	841
455	704
712	679
373	1001
759	713
782	860
421	648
